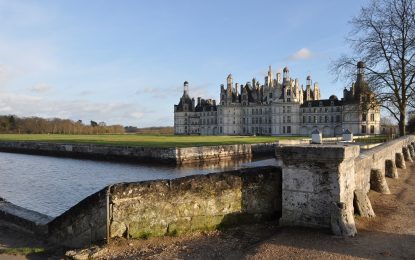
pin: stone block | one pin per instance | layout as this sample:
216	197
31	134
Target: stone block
378	182
362	205
390	169
400	161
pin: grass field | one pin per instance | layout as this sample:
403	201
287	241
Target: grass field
144	140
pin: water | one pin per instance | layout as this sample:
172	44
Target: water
52	185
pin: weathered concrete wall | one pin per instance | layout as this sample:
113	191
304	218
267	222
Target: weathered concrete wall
28	220
82	224
140	154
314	177
375	159
165	207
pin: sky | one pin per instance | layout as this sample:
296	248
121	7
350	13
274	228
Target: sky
124	62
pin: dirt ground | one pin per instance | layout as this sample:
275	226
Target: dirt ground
390	235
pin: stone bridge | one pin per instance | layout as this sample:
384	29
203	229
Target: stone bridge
315	186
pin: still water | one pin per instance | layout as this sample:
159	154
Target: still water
52	185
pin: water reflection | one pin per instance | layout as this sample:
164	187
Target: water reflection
52	185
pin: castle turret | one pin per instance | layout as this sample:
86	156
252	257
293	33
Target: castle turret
229	81
316	91
286	74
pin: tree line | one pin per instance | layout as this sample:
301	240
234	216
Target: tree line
37	125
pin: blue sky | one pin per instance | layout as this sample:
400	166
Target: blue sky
125	61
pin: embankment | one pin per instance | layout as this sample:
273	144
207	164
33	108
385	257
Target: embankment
174	155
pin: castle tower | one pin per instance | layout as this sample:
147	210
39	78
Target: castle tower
268	78
229	82
286	74
316	91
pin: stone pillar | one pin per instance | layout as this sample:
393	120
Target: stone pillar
362	205
378	182
316	137
390	169
316	177
406	154
342	222
400	161
411	150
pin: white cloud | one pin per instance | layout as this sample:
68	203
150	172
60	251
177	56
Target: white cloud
302	54
41	88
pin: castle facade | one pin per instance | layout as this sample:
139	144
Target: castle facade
279	107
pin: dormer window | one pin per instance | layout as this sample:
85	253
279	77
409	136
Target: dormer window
320	103
309	104
331	103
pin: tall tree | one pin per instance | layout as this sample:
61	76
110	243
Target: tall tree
383	36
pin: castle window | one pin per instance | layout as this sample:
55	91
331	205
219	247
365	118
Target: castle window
364	117
283	129
309	119
337	118
372	117
326	119
320	103
288	109
363	129
314	119
332	119
309	104
372	129
321	119
288	119
326	109
338	109
304	119
288	129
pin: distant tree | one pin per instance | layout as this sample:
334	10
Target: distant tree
383	36
94	124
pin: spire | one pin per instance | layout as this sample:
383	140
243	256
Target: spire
185	88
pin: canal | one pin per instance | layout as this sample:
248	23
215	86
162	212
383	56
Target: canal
51	185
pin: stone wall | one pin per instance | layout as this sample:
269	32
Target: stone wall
170	207
24	219
140	154
375	158
82	224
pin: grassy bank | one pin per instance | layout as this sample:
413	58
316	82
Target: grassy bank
144	140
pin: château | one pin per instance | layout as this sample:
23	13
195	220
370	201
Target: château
279	107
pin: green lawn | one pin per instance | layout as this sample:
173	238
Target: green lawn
144	140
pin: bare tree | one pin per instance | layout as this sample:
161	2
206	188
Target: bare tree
383	36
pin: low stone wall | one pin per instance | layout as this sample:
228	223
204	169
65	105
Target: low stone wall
170	207
375	158
25	219
82	224
140	154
